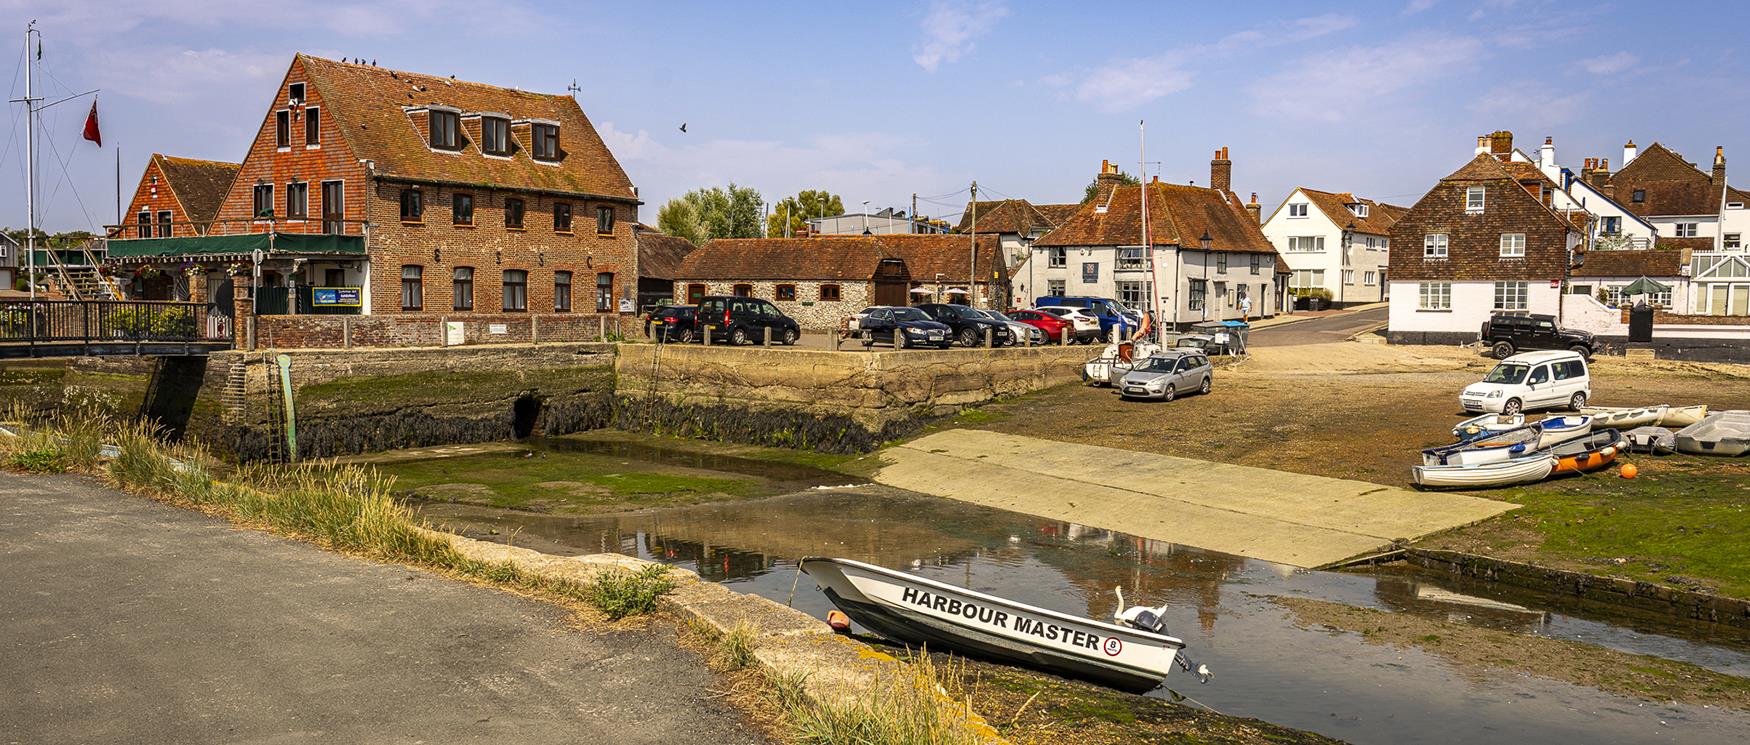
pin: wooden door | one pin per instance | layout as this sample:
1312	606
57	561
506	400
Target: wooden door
333	208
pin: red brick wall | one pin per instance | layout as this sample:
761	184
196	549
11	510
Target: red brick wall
427	330
1474	241
332	160
153	196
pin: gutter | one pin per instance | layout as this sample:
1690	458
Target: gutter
525	190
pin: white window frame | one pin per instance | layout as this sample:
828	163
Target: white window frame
1684	229
1306	244
1732	241
1436	245
1514	295
1348	276
1134	294
1297	209
1475	199
1369	279
1057	258
1132	258
1434	296
1512	245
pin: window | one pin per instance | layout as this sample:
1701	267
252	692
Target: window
312	128
163	223
444	129
562	217
494	135
1434	246
562	292
297	200
604	221
295	93
333	277
1733	241
546	141
1055	287
333	207
1539	374
1473	199
1135	294
785	292
1510	296
1370	278
1130	258
146	224
1348	276
412	293
1257	263
1221	263
1359	209
282	129
1306	243
1297	209
1569	369
516	290
1640	195
1512	245
829	293
461	209
1056	258
513	213
604	292
464	288
1610	225
1434	296
1198	289
1685	230
264	200
743	290
1306	279
412	205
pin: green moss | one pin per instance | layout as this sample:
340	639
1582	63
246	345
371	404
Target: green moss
373	393
566	482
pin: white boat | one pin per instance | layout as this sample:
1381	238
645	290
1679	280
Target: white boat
1721	433
1624	418
1482	475
914	610
1655	440
1117	360
1560	429
1475	427
1491	448
1682	416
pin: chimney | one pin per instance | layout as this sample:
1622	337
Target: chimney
1601	178
1221	172
1719	175
1482	144
1501	143
1107	181
1256	209
1546	155
1628	153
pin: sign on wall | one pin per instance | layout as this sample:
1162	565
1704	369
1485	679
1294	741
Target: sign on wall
336	297
1090	272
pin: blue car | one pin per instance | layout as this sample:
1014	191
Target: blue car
1112	315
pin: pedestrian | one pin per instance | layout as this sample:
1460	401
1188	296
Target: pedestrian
1246	308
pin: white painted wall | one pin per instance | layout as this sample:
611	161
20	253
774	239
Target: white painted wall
1280	227
1472	303
1034	279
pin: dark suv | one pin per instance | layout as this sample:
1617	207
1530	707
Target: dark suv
743	320
1507	335
968	327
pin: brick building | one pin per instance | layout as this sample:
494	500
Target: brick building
376	191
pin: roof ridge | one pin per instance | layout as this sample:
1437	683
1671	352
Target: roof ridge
441	80
202	161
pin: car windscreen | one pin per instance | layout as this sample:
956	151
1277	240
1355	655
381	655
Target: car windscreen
998	316
1508	372
909	314
1157	364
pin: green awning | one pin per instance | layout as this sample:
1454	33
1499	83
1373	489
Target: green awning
1644	286
239	246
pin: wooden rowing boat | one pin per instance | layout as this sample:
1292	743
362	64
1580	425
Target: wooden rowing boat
1493	448
1589	453
1560	429
1525	470
1482	426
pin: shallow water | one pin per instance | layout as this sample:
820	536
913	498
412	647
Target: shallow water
1325	681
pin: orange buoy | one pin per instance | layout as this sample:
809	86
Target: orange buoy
1629	471
838	621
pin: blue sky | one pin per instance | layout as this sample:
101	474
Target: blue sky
878	101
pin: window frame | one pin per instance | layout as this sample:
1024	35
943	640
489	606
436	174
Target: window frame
263	196
412	287
1436	245
1369	278
562	218
418	202
741	289
313	128
517	207
1440	293
1512	295
1732	241
561	291
1130	258
1221	263
462	209
282	129
1685	229
604	218
452	127
785	292
298	200
604	292
1475	199
544	142
836	292
489	144
1297	209
295	93
165	223
143	224
1508	246
462	288
1057	257
515	294
1197	295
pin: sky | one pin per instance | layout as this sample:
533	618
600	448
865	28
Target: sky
880	101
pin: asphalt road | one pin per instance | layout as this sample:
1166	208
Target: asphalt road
1321	330
126	621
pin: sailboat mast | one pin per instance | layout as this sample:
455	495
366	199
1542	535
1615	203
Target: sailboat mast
30	160
1154	308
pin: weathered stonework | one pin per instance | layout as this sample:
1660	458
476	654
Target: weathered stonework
1617	591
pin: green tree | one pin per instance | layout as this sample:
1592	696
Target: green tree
807	203
1124	179
704	215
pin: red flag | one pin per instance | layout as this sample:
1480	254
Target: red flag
91	132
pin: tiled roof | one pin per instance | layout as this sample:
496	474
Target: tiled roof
660	255
833	257
1671	184
926	255
366	103
1017	216
1178	215
1692	244
200	185
1057	213
1335	205
1659	262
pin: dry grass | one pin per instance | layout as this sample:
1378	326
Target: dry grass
916	703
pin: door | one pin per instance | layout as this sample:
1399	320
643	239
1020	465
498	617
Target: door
881	326
891	292
1541	390
333	208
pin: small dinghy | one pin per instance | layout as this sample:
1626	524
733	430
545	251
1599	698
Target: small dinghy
1589	453
1485	475
1655	440
1560	429
1721	433
1624	418
1135	654
1493	448
1682	416
1119	358
1482	426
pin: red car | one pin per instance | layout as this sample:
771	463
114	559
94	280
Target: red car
1050	324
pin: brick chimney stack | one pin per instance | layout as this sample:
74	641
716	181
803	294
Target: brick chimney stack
1256	209
1719	174
1221	172
1107	181
1482	144
1501	143
1601	178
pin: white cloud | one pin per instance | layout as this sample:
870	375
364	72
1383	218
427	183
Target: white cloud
1530	103
1329	85
950	27
1418	6
1609	64
1125	84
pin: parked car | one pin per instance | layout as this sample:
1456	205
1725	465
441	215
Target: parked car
1166	374
744	320
904	327
969	326
1508	334
677	323
1533	380
1021	332
1113	316
1052	326
1087	325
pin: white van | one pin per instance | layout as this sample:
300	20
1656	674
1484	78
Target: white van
1533	380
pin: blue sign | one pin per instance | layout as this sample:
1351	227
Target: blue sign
1090	272
335	297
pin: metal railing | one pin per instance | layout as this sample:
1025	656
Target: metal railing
233	226
125	321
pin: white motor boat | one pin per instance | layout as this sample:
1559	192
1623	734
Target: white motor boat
1560	429
1721	433
1471	429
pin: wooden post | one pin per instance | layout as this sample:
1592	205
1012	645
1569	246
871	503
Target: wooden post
601	333
767	341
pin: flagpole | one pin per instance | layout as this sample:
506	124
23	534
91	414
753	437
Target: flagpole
30	161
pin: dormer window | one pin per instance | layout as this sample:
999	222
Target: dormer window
1359	209
1639	196
494	135
445	129
1297	209
545	145
295	94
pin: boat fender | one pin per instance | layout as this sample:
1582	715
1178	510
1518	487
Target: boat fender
838	621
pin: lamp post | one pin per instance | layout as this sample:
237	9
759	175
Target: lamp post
1343	271
1204	244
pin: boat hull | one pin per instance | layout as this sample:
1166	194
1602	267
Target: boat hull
1484	475
1682	416
916	611
1655	440
1497	447
1559	430
1485	425
1721	433
1625	418
1590	453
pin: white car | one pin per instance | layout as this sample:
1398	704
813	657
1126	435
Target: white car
1533	380
1017	330
1086	325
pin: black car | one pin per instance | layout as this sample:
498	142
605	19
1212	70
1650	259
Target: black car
904	327
743	320
969	327
1507	335
677	323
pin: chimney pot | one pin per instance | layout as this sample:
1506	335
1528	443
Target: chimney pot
1221	171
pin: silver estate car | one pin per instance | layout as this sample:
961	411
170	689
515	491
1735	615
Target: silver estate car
1167	374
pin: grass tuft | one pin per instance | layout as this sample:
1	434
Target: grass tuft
619	593
907	704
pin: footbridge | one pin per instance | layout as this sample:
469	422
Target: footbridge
80	328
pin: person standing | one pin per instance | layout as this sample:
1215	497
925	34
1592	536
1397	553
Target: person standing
1246	308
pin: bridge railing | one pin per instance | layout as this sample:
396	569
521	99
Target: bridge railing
44	321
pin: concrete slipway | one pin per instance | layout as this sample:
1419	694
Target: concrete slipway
1289	518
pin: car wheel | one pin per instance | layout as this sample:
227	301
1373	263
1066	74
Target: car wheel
789	337
686	336
1513	406
969	337
1168	394
1503	350
1207	384
1578	401
738	336
901	341
1584	350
